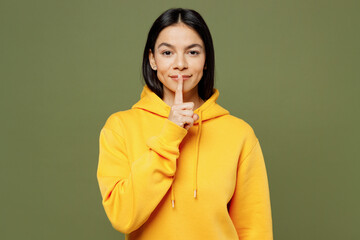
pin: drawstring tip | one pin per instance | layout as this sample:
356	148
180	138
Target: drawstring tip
195	193
173	203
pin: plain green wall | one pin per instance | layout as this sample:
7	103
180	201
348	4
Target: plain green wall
288	68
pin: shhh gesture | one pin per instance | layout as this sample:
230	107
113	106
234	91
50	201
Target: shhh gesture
182	113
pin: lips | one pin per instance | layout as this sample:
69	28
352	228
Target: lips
183	76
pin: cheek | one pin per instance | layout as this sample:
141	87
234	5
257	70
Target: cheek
163	64
198	65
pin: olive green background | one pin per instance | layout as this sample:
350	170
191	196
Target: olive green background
288	68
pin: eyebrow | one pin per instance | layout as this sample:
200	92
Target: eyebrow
171	46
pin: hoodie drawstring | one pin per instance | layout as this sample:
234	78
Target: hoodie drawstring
172	196
196	163
197	154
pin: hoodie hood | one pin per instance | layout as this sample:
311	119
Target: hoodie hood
152	103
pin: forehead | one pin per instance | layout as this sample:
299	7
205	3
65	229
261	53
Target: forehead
179	35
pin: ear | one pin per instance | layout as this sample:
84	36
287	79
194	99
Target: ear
151	59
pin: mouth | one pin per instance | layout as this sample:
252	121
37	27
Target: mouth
174	77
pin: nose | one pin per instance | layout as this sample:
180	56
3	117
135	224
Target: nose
180	62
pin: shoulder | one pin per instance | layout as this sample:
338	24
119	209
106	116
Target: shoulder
115	121
244	132
240	131
239	125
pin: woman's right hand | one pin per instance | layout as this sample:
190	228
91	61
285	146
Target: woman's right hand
182	113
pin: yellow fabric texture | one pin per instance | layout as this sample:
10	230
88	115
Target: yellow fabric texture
160	181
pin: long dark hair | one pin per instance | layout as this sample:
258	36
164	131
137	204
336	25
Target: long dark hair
194	20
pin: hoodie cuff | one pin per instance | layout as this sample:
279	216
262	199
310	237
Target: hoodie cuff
172	133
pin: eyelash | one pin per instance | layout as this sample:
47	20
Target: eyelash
196	53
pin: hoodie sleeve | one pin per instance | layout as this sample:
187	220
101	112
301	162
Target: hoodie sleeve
250	208
132	188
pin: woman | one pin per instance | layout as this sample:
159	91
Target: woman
177	165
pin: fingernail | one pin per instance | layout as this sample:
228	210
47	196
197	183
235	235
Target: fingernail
179	76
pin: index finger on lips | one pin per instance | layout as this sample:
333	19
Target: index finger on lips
178	92
185	105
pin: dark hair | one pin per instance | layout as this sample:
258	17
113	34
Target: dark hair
194	20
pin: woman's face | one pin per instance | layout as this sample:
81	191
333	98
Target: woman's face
178	49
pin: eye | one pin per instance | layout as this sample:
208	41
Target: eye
194	53
166	53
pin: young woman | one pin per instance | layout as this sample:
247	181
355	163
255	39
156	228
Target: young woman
177	165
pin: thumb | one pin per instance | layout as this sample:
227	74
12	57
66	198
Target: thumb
196	117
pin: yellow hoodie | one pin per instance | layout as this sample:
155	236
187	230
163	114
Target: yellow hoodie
161	181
